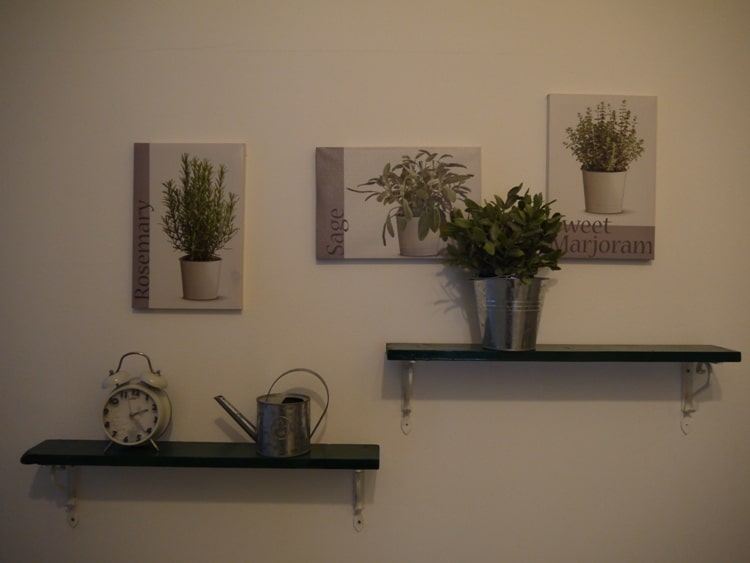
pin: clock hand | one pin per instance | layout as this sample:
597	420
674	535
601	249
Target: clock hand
139	425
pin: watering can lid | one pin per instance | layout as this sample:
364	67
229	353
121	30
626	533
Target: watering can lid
283	398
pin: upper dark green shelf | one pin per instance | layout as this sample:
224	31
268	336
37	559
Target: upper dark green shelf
199	454
565	353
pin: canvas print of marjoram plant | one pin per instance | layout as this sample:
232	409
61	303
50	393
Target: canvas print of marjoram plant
601	172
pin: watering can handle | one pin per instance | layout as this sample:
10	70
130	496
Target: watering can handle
328	395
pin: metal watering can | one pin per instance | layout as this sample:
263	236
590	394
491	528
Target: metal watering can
283	420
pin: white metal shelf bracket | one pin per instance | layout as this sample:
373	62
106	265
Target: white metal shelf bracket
359	499
69	488
407	383
689	372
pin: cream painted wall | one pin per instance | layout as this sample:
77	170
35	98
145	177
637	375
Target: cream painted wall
532	463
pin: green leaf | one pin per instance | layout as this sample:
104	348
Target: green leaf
406	210
423	226
389	227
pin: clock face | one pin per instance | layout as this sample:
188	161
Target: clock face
134	414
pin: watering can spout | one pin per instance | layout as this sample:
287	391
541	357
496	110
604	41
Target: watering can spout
238	417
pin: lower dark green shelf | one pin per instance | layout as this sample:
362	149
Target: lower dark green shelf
199	454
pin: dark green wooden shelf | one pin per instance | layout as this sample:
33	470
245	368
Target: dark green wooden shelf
689	355
564	353
199	454
73	453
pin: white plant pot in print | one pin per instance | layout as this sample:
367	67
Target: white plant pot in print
410	245
604	192
200	280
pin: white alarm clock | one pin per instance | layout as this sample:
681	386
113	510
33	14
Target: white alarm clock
137	411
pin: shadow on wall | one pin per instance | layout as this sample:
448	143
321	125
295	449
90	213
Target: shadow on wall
544	381
170	484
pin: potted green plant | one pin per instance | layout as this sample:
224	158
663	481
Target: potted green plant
421	192
504	244
199	221
605	142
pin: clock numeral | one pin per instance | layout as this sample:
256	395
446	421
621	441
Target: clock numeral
125	439
106	411
114	401
153	407
114	433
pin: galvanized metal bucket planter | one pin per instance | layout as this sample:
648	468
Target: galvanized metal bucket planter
509	312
